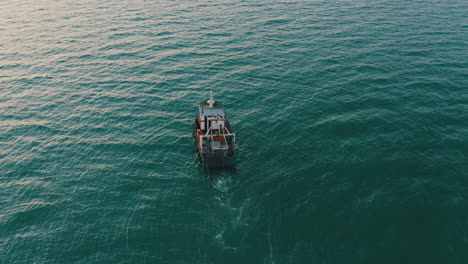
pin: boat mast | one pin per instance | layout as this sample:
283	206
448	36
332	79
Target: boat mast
211	101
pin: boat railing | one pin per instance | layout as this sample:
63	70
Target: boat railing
215	144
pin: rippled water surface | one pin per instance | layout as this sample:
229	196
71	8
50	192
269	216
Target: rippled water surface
351	118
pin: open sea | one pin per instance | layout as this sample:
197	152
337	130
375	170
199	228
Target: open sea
351	120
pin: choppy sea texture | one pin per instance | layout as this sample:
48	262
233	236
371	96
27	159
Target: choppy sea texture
351	119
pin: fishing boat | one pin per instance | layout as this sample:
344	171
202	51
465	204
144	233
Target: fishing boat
215	142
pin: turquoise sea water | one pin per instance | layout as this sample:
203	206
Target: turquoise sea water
351	121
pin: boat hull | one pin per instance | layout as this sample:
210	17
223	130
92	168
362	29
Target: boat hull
217	159
217	162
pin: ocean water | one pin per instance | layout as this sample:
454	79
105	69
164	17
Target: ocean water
351	121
